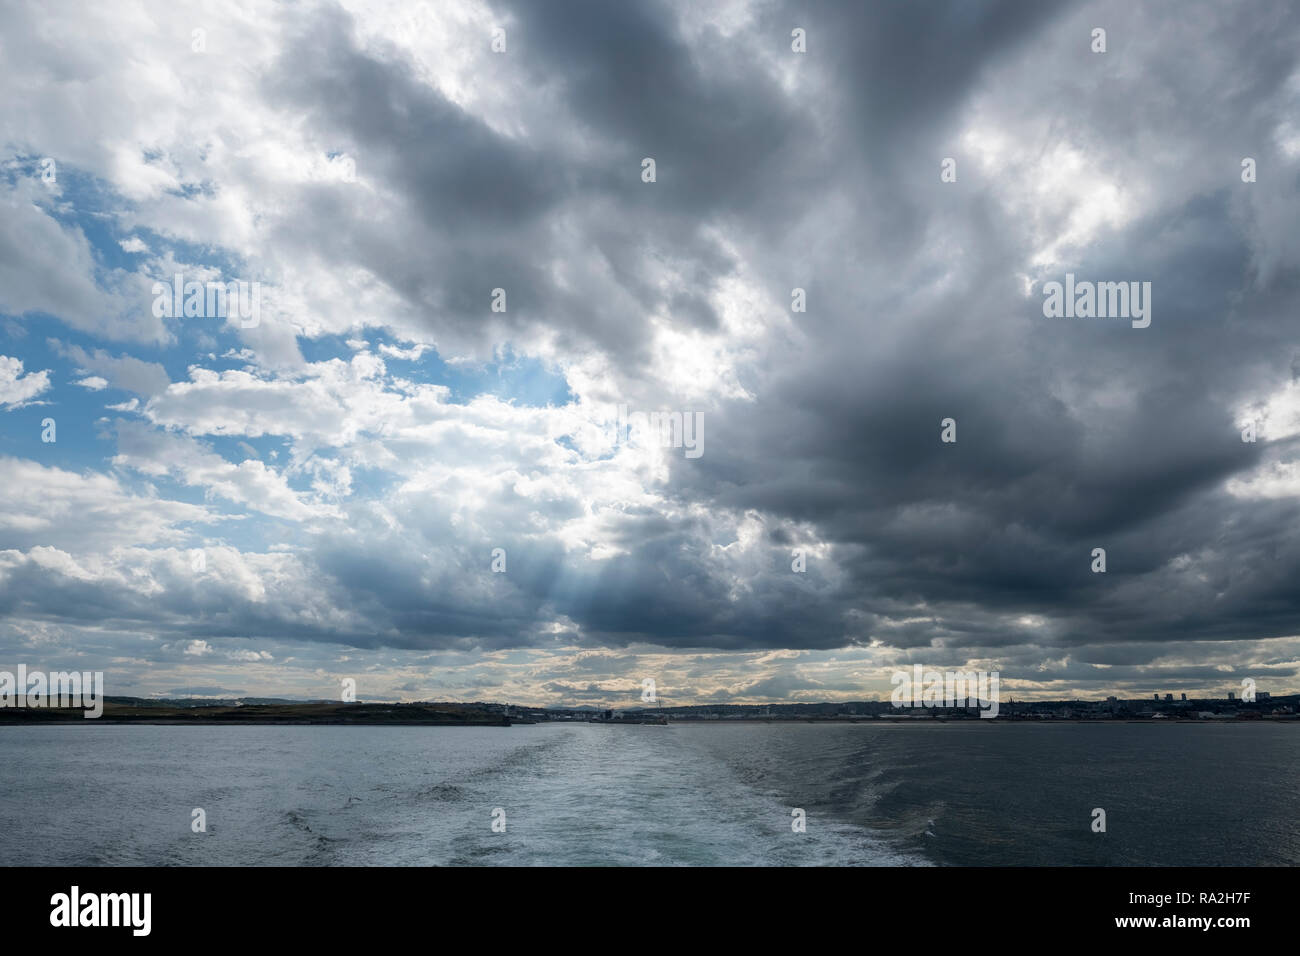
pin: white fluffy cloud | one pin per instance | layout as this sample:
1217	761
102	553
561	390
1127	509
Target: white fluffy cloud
18	387
45	505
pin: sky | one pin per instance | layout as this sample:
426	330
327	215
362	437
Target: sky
421	457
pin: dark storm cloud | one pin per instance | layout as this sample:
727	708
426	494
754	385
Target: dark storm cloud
846	434
476	209
1071	436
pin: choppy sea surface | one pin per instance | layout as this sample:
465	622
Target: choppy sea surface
987	792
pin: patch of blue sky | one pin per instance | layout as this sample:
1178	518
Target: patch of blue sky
519	379
84	425
272	450
83	202
75	409
74	447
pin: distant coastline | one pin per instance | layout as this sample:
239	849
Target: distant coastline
264	711
142	711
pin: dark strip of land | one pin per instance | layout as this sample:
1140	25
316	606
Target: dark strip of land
138	710
151	712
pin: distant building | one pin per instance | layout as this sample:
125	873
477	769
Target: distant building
1169	697
1231	696
1155	696
1184	697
